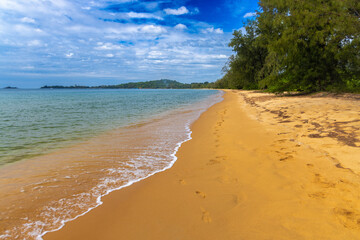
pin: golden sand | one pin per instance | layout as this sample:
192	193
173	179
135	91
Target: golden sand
258	167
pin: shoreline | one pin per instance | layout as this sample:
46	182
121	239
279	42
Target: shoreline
91	161
240	177
99	201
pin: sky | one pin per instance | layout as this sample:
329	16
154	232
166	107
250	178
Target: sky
67	42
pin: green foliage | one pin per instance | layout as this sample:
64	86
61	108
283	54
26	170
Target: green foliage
298	45
242	70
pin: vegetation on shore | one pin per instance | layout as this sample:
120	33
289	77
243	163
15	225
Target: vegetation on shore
156	84
304	46
9	87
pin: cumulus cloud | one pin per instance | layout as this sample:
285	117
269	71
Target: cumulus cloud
180	26
154	29
110	55
212	30
180	11
250	14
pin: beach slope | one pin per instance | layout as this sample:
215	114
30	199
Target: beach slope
258	167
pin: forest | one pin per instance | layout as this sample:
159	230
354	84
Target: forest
297	45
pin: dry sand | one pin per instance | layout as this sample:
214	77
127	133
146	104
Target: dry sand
258	167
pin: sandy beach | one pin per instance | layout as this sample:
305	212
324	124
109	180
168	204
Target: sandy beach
258	167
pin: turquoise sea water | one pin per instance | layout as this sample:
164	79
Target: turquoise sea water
34	122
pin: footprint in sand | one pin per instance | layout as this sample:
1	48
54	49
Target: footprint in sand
289	157
323	182
200	194
318	195
213	162
182	182
229	201
206	216
221	157
348	217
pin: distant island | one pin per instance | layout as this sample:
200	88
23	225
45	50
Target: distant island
156	84
10	87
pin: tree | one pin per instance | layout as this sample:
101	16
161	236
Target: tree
243	67
298	45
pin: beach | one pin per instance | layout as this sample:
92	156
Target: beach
258	166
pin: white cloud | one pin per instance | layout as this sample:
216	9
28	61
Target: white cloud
32	7
213	30
68	27
152	29
208	66
78	29
34	43
107	46
28	67
24	30
221	56
69	55
180	11
128	32
250	14
155	54
27	20
206	57
180	26
242	30
143	15
218	31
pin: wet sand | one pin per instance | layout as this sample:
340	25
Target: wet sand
258	167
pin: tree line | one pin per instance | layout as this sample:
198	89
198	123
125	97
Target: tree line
297	45
156	84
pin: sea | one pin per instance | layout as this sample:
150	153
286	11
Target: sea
62	150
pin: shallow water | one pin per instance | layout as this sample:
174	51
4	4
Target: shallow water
113	137
33	122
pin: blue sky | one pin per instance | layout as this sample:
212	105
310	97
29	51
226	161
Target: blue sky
98	42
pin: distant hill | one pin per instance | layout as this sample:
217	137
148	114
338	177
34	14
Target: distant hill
10	87
156	84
